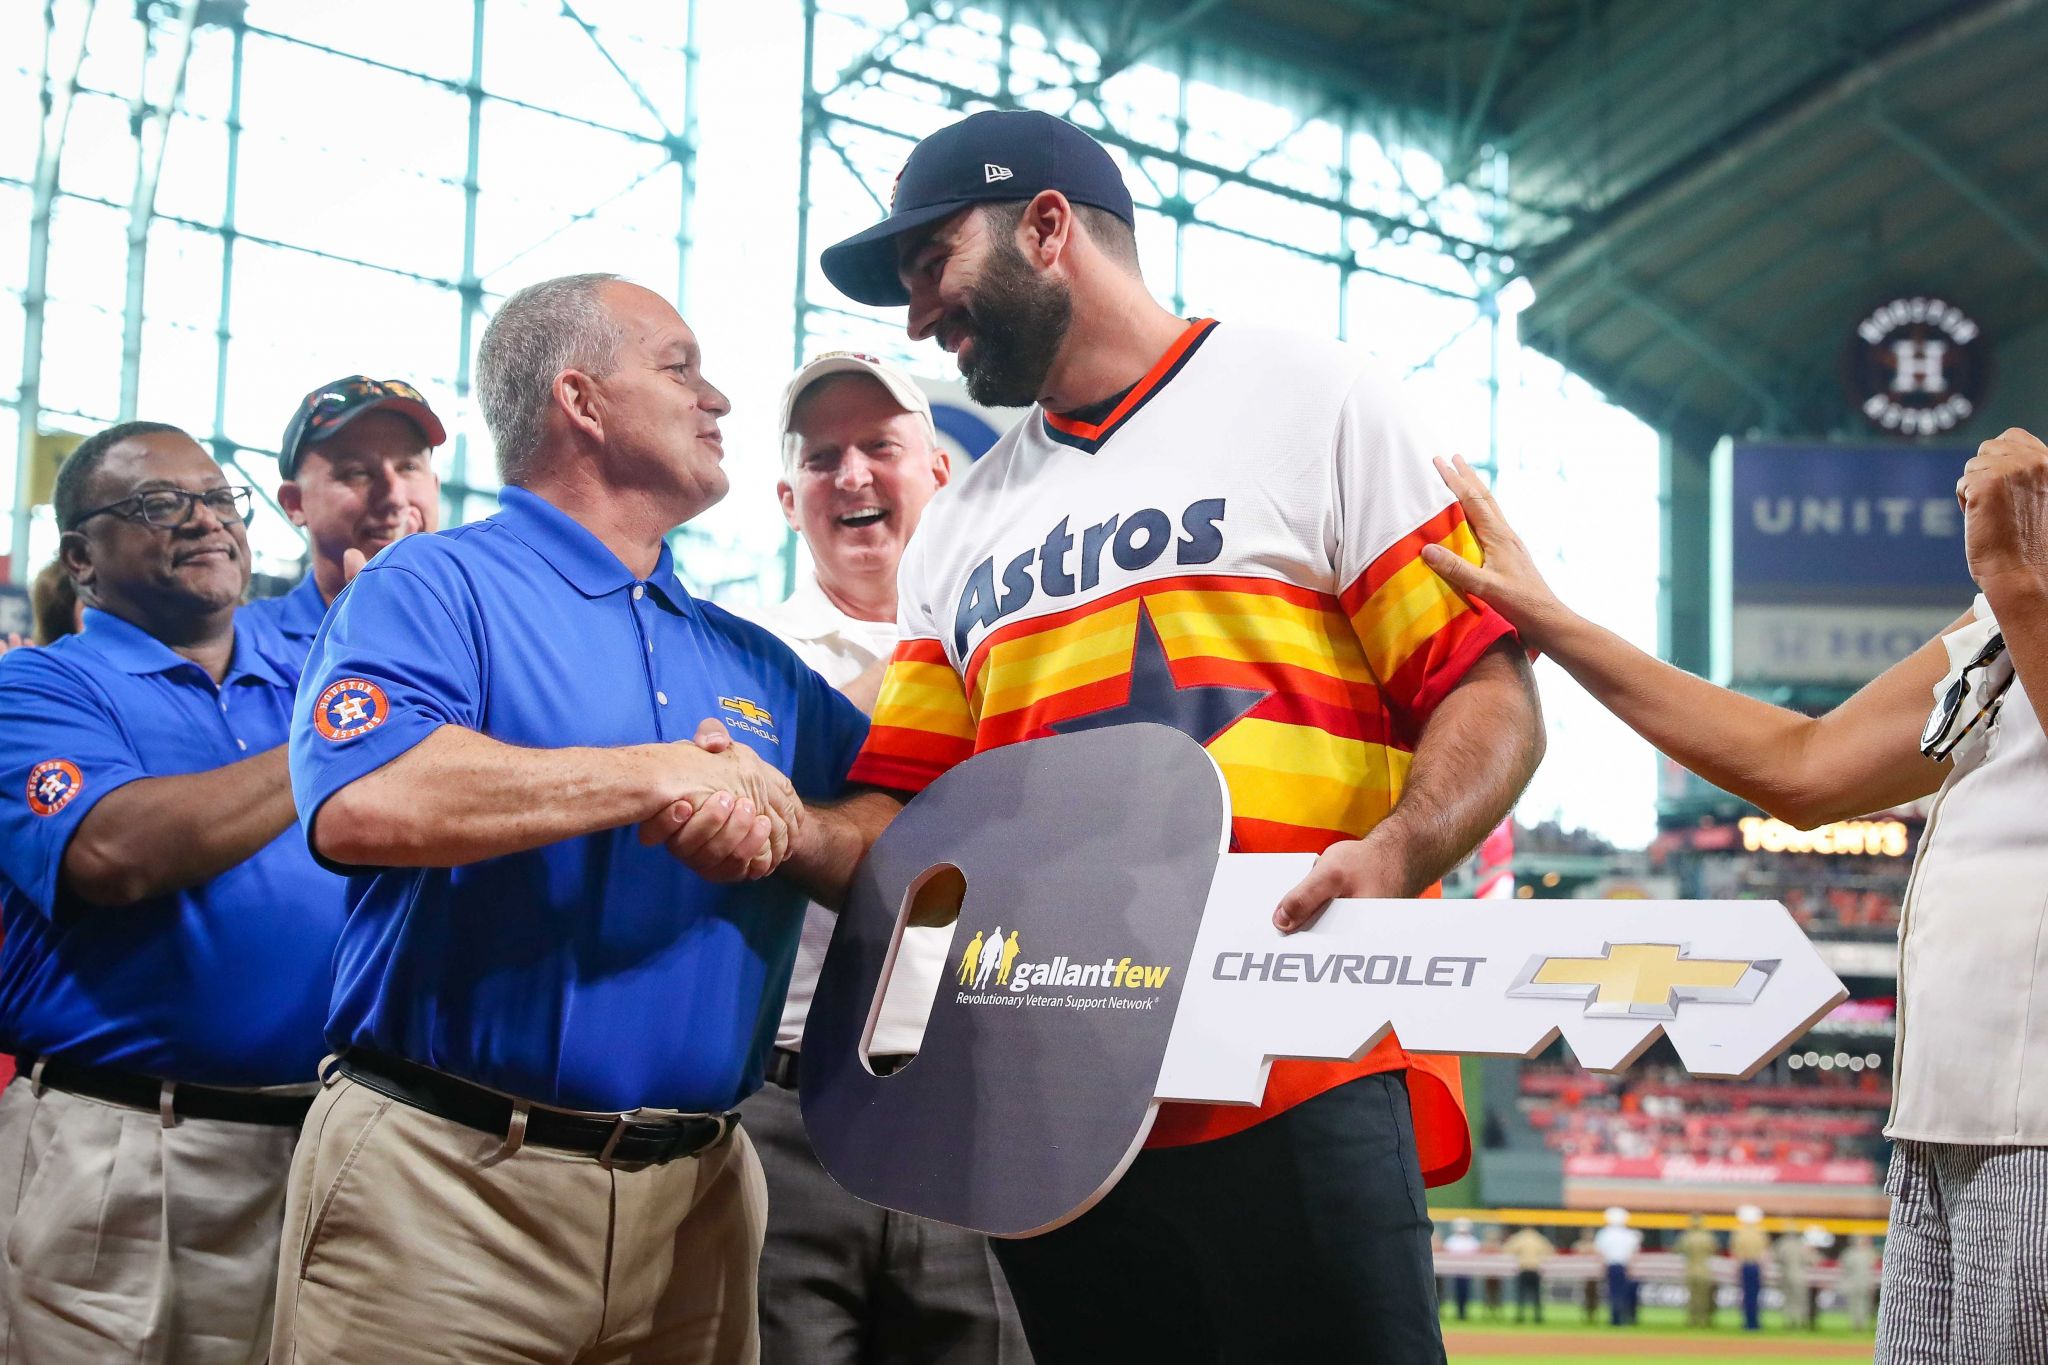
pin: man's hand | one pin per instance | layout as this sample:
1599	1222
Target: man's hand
735	818
12	640
1507	580
2004	497
1371	868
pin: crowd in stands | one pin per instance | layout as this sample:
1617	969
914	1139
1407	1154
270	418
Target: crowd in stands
1832	897
1660	1111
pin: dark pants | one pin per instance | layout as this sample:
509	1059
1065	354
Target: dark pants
1621	1296
1304	1239
1461	1296
846	1283
1528	1293
1752	1297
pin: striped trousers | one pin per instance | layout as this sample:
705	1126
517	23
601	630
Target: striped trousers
1966	1259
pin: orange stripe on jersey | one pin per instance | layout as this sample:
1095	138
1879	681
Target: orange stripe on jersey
1265	836
1143	390
1396	556
1307	598
1435	668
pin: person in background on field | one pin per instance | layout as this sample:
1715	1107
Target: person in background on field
1859	1281
1532	1251
1618	1244
1699	1247
1749	1245
1796	1258
1589	1288
1462	1242
1493	1289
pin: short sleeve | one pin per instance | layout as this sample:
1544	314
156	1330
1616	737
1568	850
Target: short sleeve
1419	636
61	751
394	662
923	724
833	731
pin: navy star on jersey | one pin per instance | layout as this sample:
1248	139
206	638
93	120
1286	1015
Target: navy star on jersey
1201	712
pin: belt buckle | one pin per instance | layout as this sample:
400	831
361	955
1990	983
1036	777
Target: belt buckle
620	1122
675	1144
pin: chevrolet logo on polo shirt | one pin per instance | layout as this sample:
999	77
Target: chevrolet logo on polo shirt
753	711
1642	980
741	713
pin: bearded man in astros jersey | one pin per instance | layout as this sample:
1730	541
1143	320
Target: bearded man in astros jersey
1217	528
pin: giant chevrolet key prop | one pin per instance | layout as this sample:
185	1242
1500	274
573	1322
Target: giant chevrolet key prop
1108	955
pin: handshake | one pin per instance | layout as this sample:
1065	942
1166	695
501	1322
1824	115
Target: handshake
727	815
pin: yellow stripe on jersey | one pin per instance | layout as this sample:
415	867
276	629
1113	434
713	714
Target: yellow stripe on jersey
1411	606
1299	775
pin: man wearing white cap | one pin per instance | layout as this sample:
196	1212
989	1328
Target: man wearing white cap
843	1281
1618	1244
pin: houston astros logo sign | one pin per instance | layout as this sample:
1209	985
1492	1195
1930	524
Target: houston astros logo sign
349	708
52	784
1108	956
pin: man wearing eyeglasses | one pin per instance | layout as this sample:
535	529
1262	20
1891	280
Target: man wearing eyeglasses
357	462
165	970
1967	1252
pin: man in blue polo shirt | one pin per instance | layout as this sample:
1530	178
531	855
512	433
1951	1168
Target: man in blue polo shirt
526	1151
168	937
357	462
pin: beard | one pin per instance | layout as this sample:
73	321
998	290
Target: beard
1018	319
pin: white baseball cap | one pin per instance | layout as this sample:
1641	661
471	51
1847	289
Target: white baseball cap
901	386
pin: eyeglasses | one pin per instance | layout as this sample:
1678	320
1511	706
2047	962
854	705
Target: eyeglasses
170	508
1943	733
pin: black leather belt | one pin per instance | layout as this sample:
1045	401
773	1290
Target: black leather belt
614	1138
784	1066
187	1101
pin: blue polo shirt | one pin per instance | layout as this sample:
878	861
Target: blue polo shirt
295	615
592	973
221	983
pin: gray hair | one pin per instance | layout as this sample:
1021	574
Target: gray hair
542	330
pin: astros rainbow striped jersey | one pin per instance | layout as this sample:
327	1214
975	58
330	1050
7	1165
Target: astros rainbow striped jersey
1233	550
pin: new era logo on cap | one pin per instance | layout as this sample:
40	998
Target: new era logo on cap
990	172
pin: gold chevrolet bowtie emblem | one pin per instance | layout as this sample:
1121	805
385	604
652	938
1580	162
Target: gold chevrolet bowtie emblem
1642	980
753	711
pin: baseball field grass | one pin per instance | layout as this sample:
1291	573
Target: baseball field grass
1660	1338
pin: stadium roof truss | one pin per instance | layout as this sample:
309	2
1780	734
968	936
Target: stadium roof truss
1216	140
642	104
1705	197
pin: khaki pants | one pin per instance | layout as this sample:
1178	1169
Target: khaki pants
1699	1301
121	1239
409	1238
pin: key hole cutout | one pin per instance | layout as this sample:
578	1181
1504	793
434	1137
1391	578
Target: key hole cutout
931	907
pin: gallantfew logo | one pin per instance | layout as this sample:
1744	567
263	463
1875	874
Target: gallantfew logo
1642	980
993	970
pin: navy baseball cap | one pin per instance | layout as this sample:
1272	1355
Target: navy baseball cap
331	407
998	154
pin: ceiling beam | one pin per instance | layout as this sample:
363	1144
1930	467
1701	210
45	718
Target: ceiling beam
1467	137
1689	336
1688	177
1967	186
